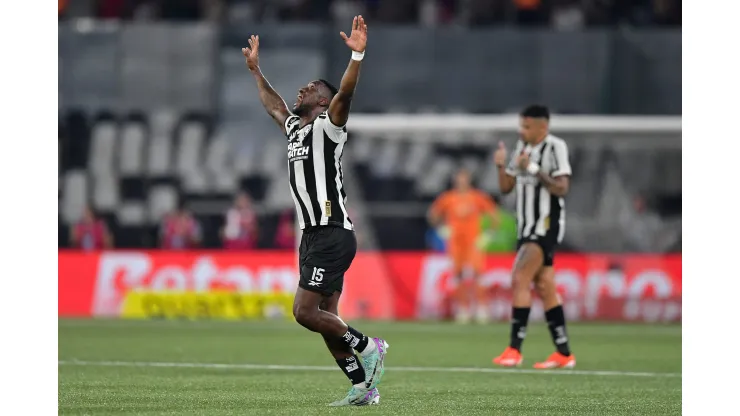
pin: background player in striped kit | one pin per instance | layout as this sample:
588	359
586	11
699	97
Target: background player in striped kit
316	135
540	171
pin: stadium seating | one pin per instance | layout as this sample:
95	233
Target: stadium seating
133	168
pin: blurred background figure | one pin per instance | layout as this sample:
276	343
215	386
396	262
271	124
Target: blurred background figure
179	230
285	237
90	233
457	215
241	230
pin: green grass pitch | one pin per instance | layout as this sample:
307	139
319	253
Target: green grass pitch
109	367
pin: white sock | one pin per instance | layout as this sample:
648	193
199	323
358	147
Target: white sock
369	348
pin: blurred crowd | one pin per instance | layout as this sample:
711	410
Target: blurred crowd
558	14
181	230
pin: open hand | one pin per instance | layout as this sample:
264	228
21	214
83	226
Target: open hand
499	157
357	39
252	53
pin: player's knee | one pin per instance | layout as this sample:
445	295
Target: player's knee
304	316
520	281
542	287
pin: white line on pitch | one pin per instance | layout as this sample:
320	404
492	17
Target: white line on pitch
331	368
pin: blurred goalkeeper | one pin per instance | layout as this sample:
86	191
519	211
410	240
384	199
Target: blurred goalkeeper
457	215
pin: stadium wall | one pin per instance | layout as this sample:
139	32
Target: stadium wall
380	285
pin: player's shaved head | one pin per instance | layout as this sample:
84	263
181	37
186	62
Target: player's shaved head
330	87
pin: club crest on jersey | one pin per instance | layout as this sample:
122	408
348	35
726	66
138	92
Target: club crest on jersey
296	149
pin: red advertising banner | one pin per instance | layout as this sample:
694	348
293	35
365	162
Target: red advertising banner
388	285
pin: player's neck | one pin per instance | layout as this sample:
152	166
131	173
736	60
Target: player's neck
309	117
540	140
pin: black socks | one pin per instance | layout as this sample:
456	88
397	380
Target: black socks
519	318
355	339
556	323
352	369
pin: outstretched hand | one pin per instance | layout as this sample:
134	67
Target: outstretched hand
252	53
357	39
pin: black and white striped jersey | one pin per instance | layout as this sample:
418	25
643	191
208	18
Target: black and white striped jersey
316	179
539	213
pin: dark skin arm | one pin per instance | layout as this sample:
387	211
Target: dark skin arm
271	100
340	104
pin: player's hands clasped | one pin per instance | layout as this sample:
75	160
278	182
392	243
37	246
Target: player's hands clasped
522	161
252	53
357	40
499	157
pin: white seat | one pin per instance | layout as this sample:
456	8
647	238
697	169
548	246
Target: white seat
75	196
133	137
489	177
162	122
160	154
190	147
218	155
436	178
195	182
105	193
278	194
416	160
362	148
162	200
224	182
103	148
388	161
272	158
131	213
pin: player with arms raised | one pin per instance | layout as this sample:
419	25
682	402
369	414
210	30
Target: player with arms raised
540	172
316	134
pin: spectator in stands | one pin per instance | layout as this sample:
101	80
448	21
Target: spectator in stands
240	228
285	234
90	233
179	231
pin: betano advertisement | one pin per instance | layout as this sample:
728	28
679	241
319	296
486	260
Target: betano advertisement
388	285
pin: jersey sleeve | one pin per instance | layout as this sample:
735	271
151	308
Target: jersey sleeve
561	164
291	124
511	168
336	133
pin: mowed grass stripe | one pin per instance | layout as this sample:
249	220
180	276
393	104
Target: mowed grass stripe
279	367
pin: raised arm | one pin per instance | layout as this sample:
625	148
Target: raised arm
506	176
271	100
340	104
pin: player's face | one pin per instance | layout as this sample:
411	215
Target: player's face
308	98
242	201
532	129
462	180
88	215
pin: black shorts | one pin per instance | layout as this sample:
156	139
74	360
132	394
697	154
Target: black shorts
325	254
548	243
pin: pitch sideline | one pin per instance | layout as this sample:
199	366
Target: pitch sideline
333	368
